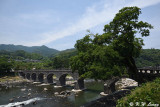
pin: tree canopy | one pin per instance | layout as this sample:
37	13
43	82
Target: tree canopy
5	66
112	53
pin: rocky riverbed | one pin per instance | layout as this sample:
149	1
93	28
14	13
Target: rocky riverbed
123	87
40	94
10	81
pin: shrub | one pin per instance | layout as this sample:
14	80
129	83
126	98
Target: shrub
147	94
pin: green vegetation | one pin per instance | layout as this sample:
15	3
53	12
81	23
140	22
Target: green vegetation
22	60
147	93
62	59
112	53
43	50
5	66
20	55
148	57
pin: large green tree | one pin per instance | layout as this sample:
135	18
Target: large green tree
112	53
123	29
95	59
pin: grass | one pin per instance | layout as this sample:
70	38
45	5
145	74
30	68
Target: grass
142	96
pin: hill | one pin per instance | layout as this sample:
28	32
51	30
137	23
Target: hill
148	57
66	53
62	59
43	50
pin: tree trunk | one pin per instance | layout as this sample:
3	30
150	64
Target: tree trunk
109	86
132	70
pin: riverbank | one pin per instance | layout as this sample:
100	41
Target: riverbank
123	87
7	80
109	100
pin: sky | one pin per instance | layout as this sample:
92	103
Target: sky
59	24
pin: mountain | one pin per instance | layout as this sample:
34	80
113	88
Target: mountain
148	57
43	50
66	53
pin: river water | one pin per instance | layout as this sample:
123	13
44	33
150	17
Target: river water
26	93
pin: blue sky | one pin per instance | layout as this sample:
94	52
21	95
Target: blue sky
59	23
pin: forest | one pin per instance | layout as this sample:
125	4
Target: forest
18	59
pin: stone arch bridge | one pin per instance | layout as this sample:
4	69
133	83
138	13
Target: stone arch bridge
144	74
148	73
46	76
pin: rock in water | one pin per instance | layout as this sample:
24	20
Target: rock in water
62	93
68	92
56	93
45	89
23	96
11	100
22	104
23	89
29	94
34	103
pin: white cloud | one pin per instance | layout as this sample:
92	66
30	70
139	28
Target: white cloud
97	14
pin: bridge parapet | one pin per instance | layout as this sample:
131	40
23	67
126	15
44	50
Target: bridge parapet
65	70
149	70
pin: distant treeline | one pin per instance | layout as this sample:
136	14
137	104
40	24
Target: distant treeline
61	60
20	55
148	57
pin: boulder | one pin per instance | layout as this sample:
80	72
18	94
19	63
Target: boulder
34	103
68	92
23	96
62	93
11	100
23	89
22	104
45	89
56	93
29	94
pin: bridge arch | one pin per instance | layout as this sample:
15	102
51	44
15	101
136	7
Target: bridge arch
51	77
28	76
22	74
41	77
66	78
33	77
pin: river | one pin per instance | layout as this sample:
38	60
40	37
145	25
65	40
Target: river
27	93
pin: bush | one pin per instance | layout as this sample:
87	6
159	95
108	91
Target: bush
148	93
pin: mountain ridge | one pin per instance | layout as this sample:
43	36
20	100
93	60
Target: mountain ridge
43	50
